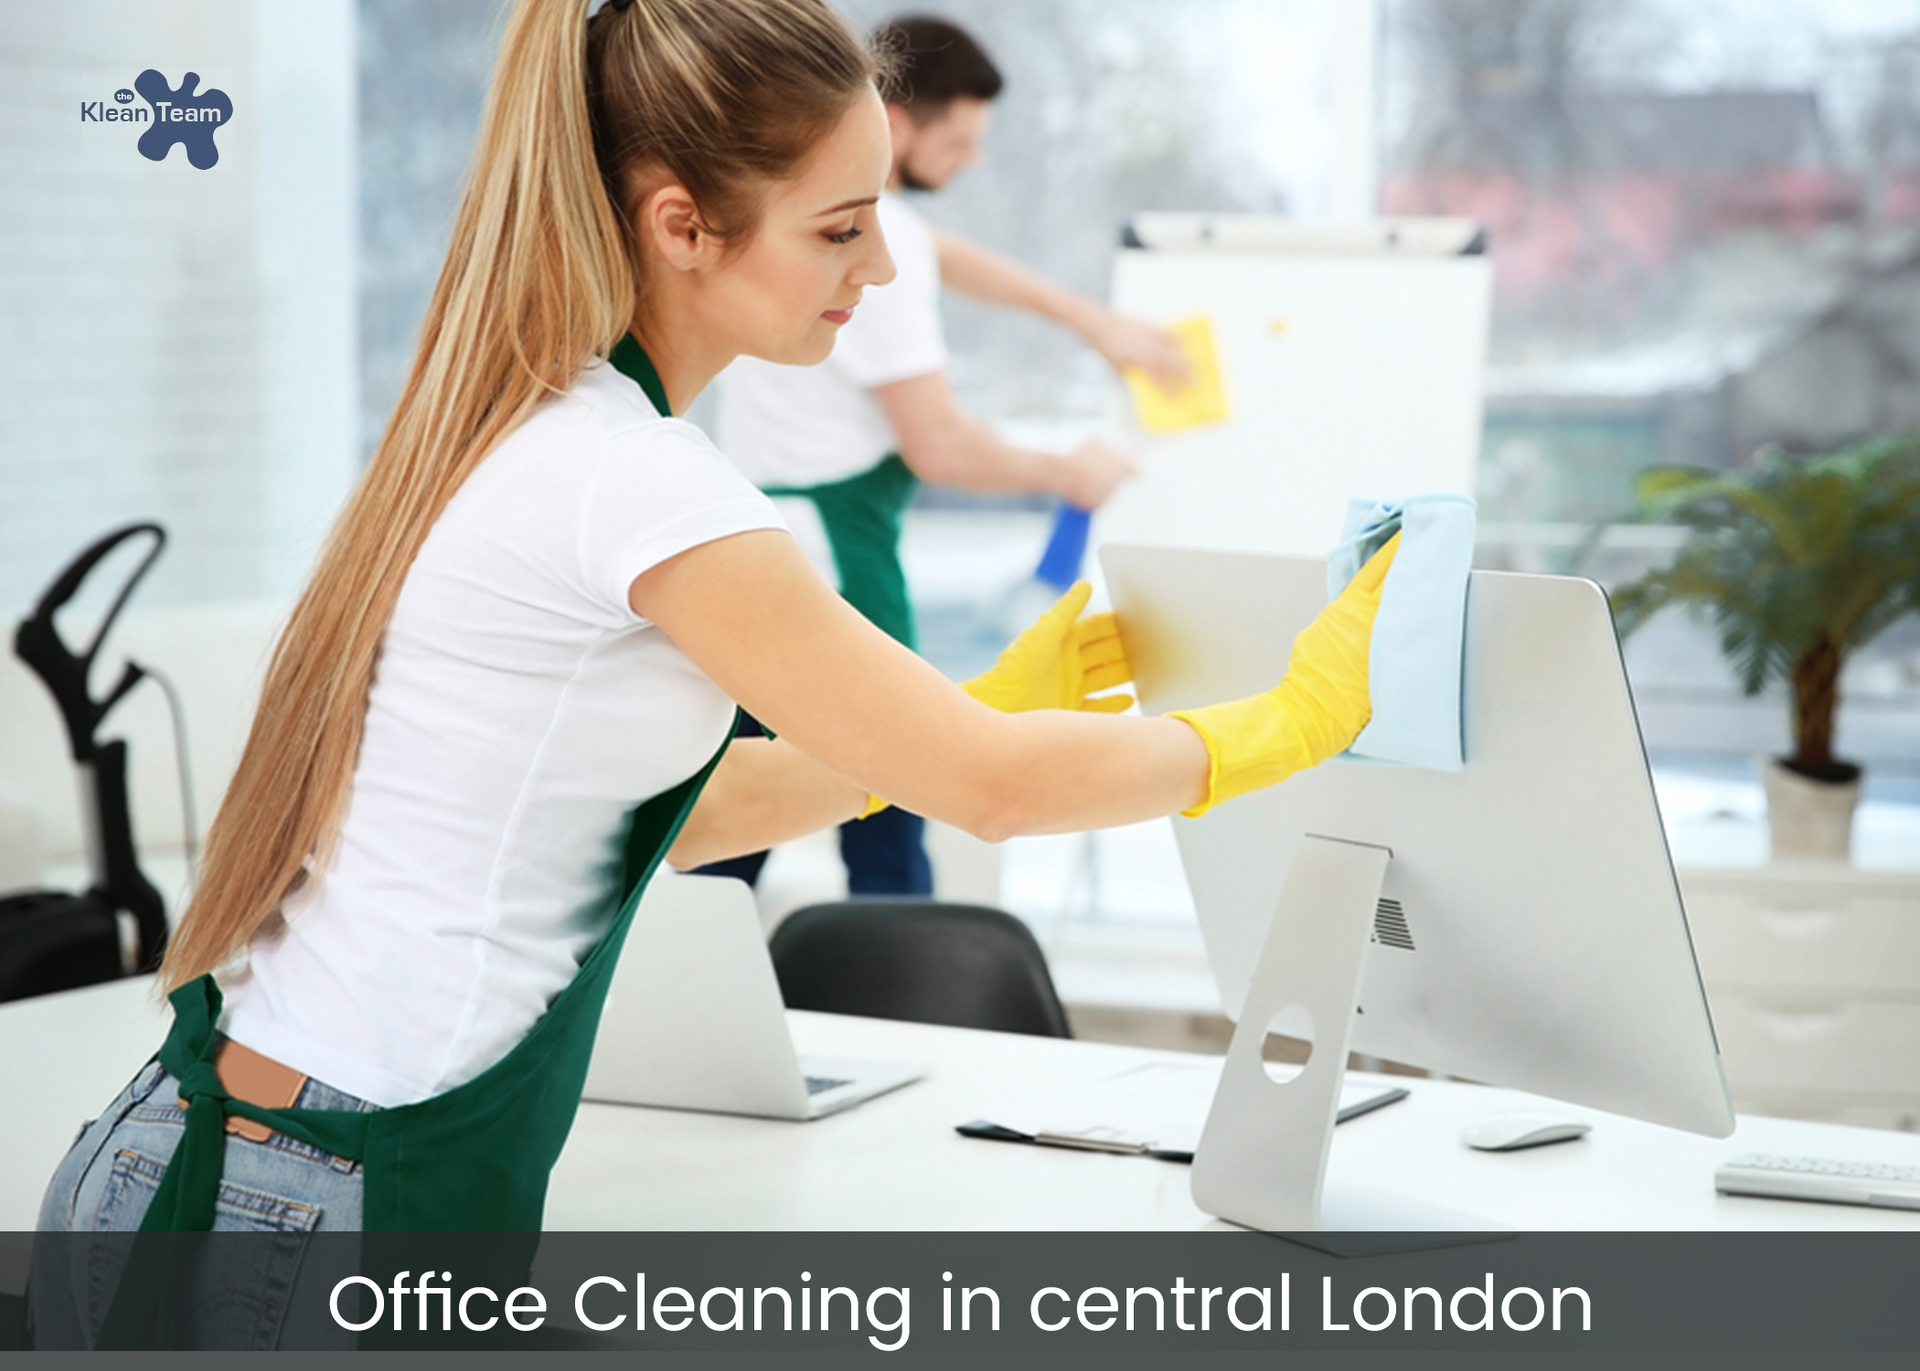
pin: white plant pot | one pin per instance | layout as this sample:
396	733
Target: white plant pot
1808	820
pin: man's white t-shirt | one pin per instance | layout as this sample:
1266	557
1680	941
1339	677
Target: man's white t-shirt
807	426
520	710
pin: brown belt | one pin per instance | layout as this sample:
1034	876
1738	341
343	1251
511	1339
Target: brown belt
257	1079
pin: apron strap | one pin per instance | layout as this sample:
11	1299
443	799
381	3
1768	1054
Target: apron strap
190	1189
630	360
185	1203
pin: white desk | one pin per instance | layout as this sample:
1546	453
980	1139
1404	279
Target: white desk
896	1163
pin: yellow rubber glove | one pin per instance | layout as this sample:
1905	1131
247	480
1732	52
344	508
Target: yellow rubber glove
1058	663
1316	711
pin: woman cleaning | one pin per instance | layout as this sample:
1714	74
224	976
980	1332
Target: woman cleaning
506	694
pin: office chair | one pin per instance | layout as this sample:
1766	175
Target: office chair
918	960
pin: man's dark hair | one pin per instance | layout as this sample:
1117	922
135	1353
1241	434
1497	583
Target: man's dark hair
938	63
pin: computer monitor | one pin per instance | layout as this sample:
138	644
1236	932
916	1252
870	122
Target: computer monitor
1524	928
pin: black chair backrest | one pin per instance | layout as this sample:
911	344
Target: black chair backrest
919	960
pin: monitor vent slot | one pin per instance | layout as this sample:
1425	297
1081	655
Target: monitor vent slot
1390	925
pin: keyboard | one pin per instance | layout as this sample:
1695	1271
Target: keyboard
1822	1179
816	1084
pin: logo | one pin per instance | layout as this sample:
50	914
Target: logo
172	115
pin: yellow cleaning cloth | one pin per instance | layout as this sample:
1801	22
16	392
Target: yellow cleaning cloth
1203	400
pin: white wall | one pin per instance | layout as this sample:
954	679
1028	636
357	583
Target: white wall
177	343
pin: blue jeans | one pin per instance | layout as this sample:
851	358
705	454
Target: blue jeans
108	1178
885	855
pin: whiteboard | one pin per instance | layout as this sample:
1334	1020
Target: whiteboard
1347	374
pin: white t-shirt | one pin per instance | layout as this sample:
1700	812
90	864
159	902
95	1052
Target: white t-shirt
519	711
806	426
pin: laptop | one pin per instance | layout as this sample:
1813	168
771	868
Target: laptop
694	1018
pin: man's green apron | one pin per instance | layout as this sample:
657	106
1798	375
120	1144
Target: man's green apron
474	1158
862	515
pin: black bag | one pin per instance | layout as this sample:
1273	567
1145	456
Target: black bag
51	940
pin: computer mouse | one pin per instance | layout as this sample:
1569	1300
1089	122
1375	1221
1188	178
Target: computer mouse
1511	1132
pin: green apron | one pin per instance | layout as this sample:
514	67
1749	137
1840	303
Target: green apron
862	516
475	1158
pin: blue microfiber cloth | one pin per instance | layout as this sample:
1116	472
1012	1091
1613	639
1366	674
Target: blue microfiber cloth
1413	666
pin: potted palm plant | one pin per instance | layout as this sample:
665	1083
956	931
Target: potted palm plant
1798	561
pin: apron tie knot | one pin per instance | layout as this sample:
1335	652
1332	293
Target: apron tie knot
191	1186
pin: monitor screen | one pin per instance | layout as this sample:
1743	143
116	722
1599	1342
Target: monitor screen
1530	932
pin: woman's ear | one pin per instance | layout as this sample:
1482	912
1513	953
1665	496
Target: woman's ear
670	223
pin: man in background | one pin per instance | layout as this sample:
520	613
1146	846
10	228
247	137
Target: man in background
845	444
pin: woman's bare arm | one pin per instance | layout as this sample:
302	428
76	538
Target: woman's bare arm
756	618
764	792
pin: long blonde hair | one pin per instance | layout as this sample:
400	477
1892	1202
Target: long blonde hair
543	273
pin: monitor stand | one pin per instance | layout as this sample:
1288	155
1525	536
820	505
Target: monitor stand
1262	1158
